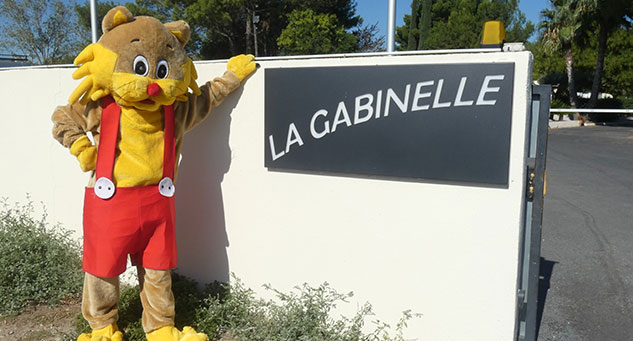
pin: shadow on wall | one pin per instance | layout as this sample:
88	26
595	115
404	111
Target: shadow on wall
200	222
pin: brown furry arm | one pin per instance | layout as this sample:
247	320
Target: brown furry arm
72	121
197	108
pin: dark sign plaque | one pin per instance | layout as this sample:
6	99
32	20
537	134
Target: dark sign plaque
446	122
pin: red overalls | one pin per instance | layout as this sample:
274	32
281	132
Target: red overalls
138	221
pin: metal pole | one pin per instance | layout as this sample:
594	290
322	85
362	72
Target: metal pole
255	22
255	38
93	19
391	30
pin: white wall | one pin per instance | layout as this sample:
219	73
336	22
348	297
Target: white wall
449	252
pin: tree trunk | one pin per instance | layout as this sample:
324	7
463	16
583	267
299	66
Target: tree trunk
569	63
597	76
231	42
249	31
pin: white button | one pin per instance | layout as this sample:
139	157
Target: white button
104	188
166	187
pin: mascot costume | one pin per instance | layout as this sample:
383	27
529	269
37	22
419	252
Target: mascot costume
125	123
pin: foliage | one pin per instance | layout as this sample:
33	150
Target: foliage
424	26
600	30
627	102
549	68
38	29
224	28
461	29
608	16
302	314
369	40
518	28
205	17
311	33
38	263
560	32
618	68
450	24
233	311
83	18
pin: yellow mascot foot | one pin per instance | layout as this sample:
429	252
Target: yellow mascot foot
109	333
171	333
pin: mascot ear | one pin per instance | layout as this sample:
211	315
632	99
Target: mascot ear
180	29
115	17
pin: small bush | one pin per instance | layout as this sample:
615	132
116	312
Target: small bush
627	102
233	312
607	103
38	263
303	314
559	104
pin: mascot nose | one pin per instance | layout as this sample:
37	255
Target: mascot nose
153	90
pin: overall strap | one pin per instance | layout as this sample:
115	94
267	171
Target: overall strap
110	117
169	151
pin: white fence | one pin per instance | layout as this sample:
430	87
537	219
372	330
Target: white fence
593	111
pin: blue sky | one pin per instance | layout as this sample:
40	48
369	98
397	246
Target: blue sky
373	11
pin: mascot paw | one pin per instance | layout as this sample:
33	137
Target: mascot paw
242	65
109	333
88	159
85	152
171	333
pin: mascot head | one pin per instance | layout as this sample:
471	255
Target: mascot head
139	61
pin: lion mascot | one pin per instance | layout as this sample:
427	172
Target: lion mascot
125	124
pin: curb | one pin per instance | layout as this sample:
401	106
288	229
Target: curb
568	124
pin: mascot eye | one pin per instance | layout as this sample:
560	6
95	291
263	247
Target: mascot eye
141	67
162	69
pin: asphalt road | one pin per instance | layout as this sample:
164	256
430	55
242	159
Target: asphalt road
587	247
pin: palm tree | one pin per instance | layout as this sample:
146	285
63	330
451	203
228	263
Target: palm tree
609	15
561	25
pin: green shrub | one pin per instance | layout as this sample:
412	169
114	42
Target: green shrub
559	104
38	263
627	102
233	312
303	314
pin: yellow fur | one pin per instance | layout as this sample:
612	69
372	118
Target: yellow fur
80	145
98	65
109	333
242	66
141	143
85	152
170	333
119	18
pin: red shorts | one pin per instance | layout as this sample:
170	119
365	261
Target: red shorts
136	221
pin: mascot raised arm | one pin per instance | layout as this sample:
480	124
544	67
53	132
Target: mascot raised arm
125	124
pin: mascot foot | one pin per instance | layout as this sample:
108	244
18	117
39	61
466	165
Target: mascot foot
109	333
171	333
